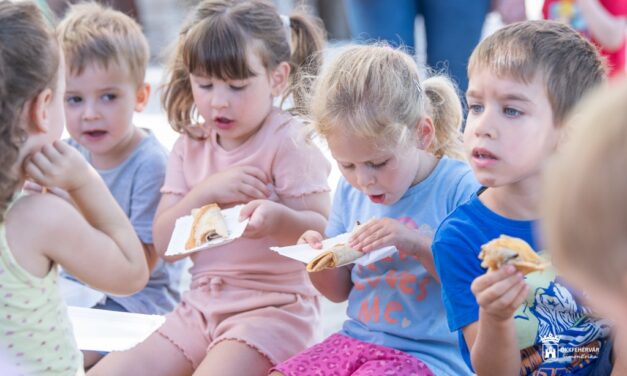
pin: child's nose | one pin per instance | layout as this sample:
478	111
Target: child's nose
365	177
483	125
219	99
89	111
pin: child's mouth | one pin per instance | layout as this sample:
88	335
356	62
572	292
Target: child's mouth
377	199
95	134
223	123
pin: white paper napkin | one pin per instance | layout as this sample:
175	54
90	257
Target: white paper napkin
304	253
101	330
184	224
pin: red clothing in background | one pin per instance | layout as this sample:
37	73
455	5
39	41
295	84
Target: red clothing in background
567	11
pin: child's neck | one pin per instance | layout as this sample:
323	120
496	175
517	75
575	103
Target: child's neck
119	153
519	201
426	165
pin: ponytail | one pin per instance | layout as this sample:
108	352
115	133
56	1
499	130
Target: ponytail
445	109
307	41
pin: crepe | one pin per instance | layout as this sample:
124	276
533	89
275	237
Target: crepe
338	255
513	251
208	225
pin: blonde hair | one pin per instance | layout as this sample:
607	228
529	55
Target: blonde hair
585	199
29	62
216	39
91	33
568	63
375	91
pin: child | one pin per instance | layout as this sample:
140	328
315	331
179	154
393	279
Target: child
523	80
106	56
39	231
248	307
585	223
391	136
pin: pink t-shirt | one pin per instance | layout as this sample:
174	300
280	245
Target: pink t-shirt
296	167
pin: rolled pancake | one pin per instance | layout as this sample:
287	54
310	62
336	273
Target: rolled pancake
513	251
338	255
209	224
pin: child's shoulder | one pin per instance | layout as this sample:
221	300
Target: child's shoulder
41	214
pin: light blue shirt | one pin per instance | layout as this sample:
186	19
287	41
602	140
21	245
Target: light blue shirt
395	302
135	184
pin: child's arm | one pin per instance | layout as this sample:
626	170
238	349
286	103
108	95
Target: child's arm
287	221
335	284
492	340
234	185
384	232
606	28
100	247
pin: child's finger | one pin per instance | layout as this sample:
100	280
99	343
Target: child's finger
376	244
498	290
313	238
258	185
257	173
251	192
367	239
491	278
248	210
41	161
52	153
33	171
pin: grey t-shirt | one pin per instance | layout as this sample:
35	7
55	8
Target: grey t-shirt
135	184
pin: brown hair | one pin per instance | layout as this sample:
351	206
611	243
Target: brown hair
91	33
375	91
215	40
584	198
568	63
29	61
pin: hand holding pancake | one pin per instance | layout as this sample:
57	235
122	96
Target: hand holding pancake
238	184
263	218
378	233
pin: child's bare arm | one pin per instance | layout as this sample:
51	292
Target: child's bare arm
100	246
335	284
286	221
492	339
607	29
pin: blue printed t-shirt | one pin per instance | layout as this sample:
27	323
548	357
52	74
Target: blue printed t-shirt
551	310
135	184
395	302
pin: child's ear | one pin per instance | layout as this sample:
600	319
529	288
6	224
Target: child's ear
425	133
142	94
279	78
37	112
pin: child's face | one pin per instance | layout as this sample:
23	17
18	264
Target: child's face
382	173
509	130
235	109
99	106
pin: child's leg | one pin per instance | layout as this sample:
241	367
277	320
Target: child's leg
153	357
233	358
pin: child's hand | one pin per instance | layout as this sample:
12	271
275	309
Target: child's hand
59	165
313	238
384	232
264	218
237	184
499	293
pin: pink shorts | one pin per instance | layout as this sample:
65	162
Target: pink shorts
340	355
277	325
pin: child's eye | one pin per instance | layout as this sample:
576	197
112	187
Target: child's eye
238	87
475	108
347	166
511	112
109	97
378	165
205	86
73	99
